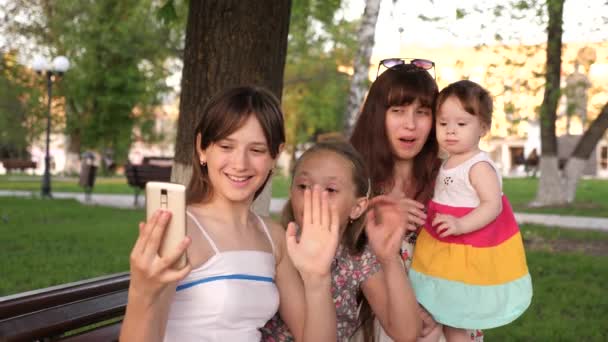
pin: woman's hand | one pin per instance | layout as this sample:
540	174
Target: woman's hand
413	211
314	251
385	227
151	273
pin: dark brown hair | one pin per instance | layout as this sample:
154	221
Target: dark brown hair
225	113
474	99
398	86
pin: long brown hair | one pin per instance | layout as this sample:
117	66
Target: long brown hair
353	238
225	113
398	86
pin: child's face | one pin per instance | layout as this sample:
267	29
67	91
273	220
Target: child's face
239	164
334	174
407	129
458	132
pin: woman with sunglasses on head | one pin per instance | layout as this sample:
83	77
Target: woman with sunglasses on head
395	133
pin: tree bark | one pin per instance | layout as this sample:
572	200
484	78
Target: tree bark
228	43
358	85
585	146
548	193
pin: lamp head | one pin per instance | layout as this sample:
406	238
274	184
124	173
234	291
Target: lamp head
61	64
40	64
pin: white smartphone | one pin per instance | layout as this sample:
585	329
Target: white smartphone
170	197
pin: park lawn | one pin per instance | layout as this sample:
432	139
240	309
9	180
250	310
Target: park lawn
49	242
103	185
591	197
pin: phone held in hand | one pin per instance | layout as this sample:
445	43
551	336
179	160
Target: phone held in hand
170	197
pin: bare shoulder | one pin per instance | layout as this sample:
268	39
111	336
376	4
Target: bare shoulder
277	233
482	169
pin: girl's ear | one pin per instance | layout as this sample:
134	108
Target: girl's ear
484	129
359	208
202	155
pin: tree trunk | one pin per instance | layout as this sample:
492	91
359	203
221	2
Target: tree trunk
228	43
585	146
548	193
358	85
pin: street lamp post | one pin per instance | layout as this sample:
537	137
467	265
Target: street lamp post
59	65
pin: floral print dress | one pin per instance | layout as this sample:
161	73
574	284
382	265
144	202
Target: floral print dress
348	273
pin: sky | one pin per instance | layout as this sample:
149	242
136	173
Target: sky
582	21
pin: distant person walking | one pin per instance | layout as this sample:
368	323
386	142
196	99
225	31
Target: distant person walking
531	165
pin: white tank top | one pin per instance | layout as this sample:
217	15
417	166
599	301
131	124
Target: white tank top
227	298
453	186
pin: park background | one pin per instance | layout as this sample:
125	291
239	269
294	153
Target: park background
122	97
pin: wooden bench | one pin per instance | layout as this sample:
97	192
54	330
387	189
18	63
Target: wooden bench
139	175
18	164
89	310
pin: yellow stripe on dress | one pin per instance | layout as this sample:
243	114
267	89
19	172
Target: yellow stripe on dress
471	265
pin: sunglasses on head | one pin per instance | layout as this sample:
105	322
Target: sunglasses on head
420	63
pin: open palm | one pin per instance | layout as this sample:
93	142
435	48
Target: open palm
313	253
385	228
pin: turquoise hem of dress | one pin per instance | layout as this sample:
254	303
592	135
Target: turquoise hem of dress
467	306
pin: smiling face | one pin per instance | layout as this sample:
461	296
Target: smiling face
238	164
458	131
407	129
334	173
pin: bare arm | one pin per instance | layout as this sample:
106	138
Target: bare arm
303	273
392	299
484	180
152	284
389	292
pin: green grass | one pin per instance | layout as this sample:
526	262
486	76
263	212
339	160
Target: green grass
590	197
569	303
50	242
103	185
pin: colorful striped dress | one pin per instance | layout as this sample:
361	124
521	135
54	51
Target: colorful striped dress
478	280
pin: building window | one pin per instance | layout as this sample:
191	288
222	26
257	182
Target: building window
604	157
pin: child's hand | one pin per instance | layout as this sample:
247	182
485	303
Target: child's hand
313	254
385	227
151	273
447	225
428	323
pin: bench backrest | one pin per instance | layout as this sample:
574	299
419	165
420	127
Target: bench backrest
139	175
54	311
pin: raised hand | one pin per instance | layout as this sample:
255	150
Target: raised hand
385	227
447	225
412	210
151	273
315	250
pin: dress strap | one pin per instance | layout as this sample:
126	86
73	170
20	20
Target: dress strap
204	232
267	232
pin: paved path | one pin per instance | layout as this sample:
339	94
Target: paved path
276	205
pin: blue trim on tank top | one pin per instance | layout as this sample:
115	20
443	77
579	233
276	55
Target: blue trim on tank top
230	276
